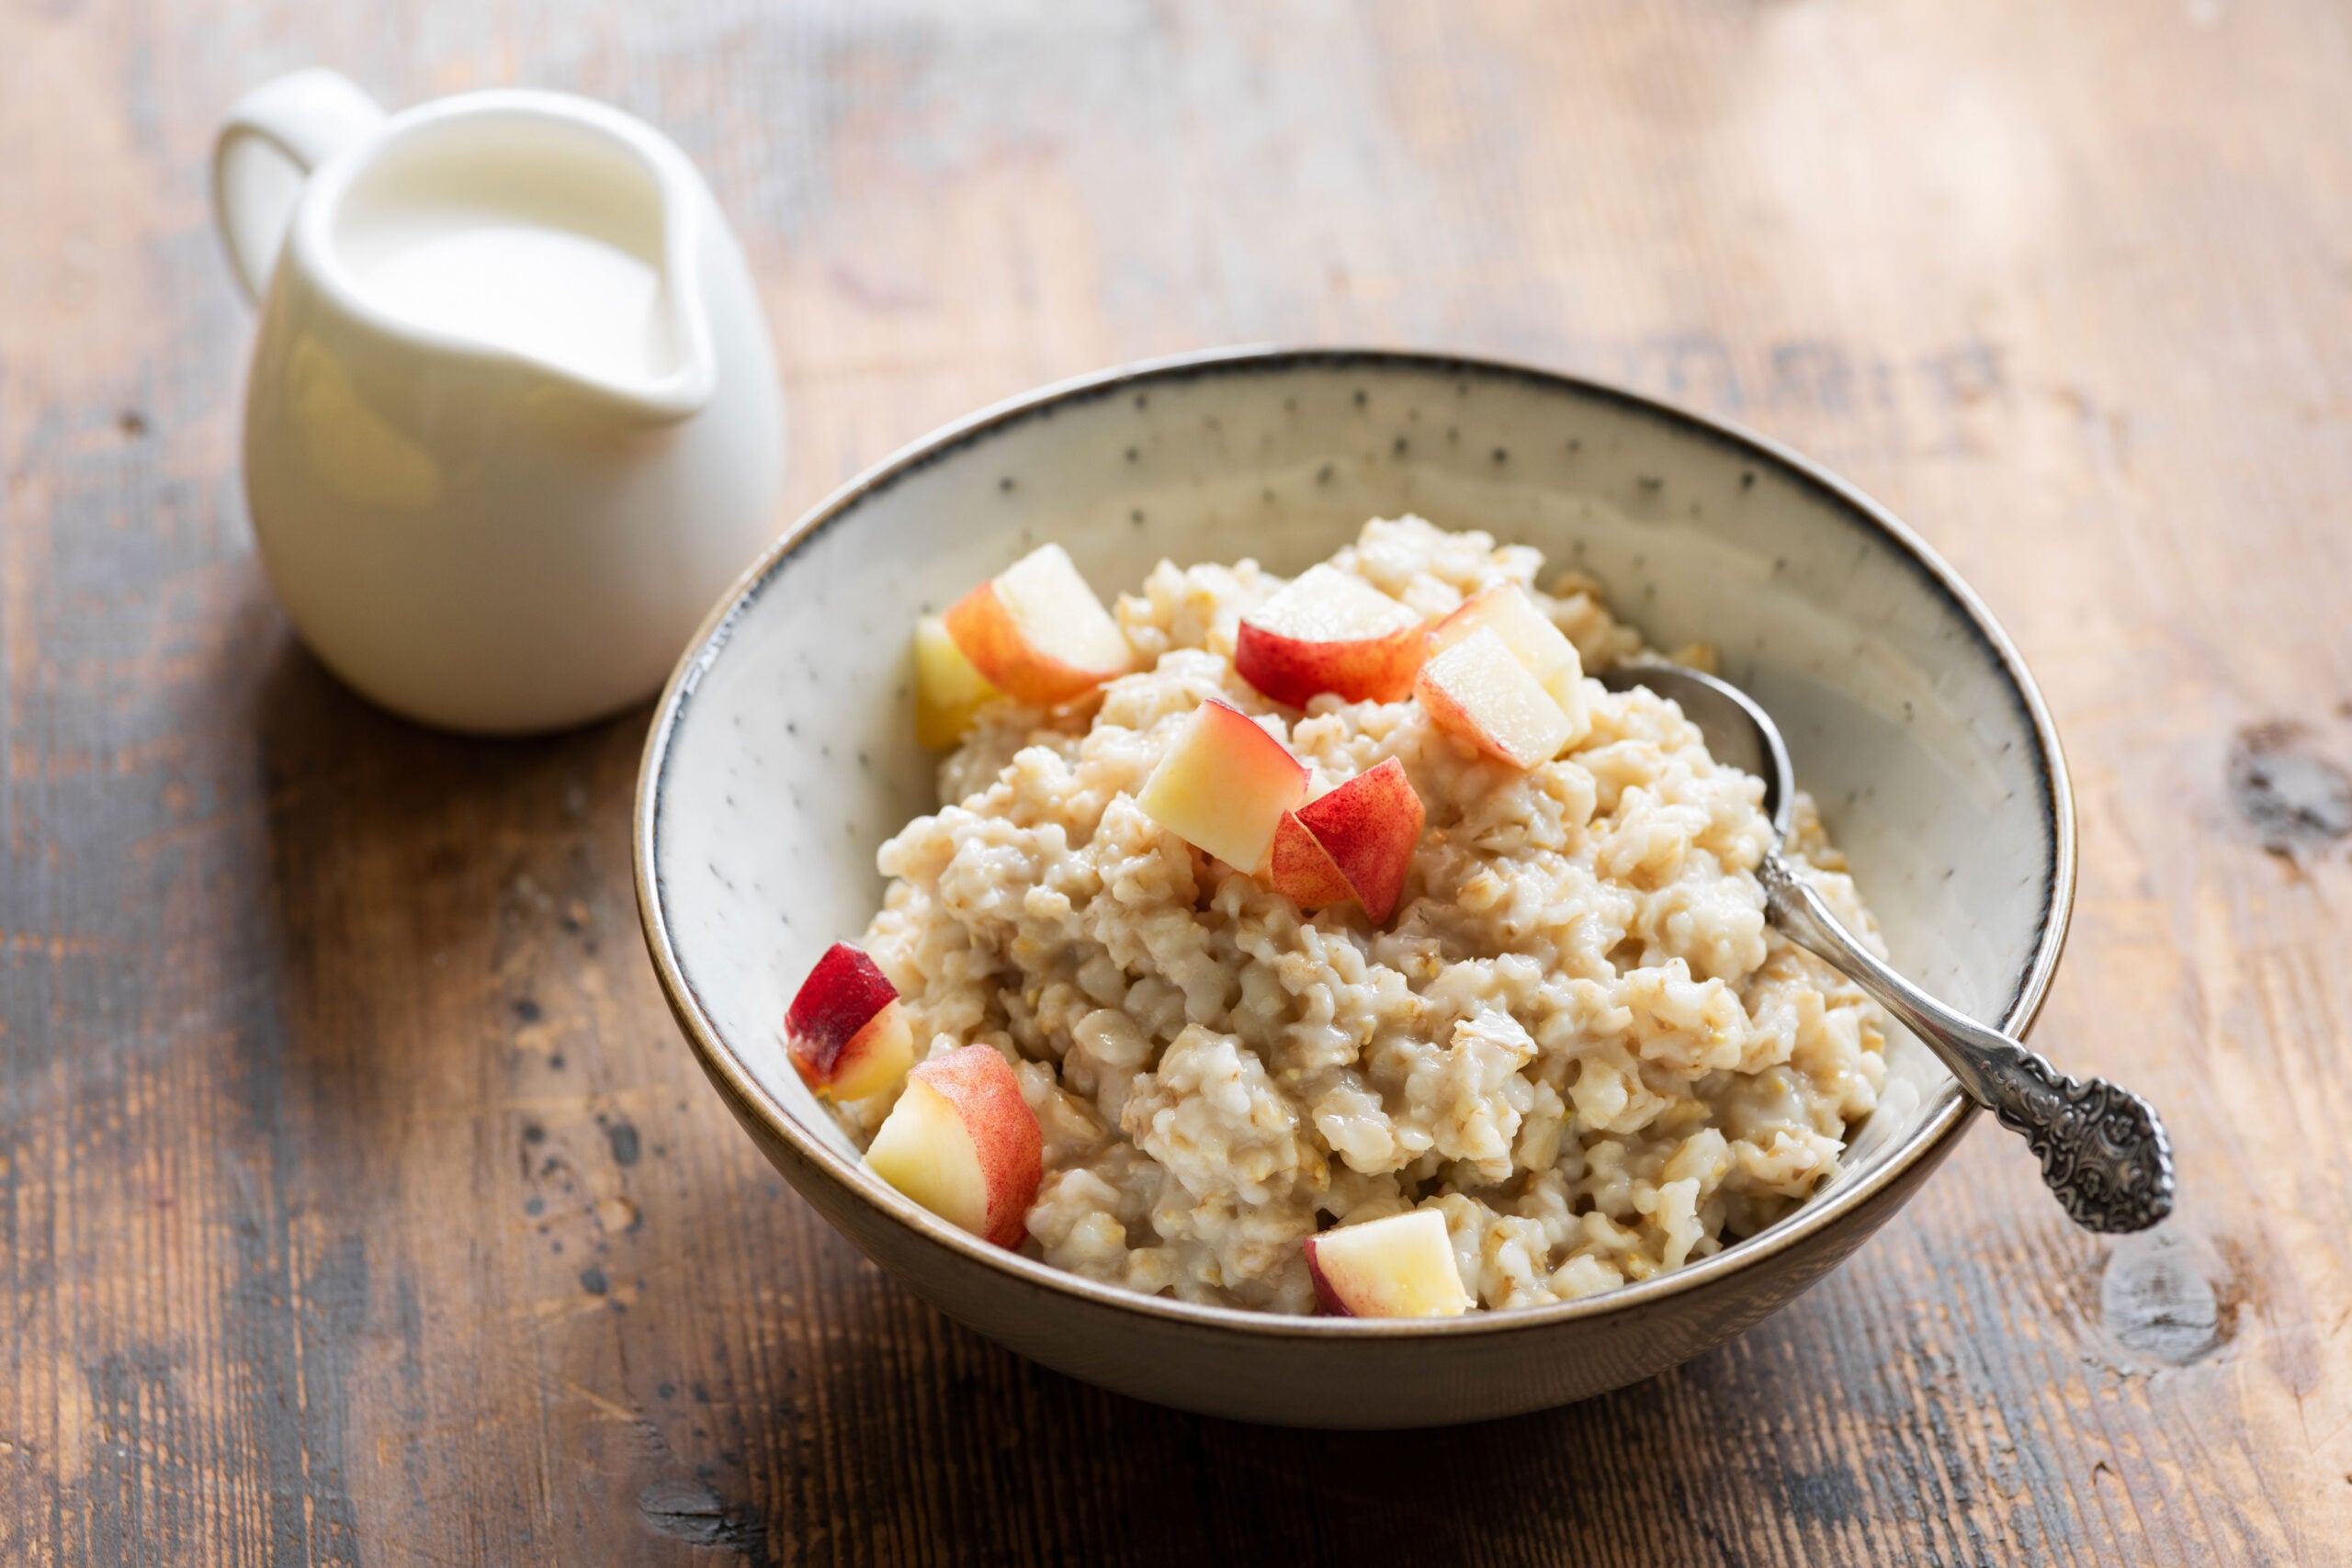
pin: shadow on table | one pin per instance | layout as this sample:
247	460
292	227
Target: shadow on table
422	884
424	899
954	1450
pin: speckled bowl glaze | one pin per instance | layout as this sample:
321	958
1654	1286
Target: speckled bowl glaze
783	754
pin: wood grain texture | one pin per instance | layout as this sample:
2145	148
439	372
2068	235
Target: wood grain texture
358	1201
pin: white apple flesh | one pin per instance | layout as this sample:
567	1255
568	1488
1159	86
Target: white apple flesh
962	1143
1477	691
1223	785
1399	1267
949	689
1532	638
1037	632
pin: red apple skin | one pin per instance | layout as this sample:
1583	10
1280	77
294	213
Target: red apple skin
1375	670
1369	827
1323	1294
1301	867
839	1003
978	1082
1330	631
986	631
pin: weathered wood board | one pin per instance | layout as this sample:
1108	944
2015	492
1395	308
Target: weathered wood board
358	1201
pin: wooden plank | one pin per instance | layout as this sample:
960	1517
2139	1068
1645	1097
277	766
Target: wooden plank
358	1202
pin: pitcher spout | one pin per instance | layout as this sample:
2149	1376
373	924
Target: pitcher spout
537	229
641	340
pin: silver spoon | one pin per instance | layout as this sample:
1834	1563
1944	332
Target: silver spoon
2103	1150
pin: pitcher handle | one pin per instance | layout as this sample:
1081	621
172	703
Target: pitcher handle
272	138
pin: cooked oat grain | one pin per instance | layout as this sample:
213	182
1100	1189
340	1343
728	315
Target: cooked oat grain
1579	1039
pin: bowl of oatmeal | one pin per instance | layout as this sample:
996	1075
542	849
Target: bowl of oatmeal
1152	866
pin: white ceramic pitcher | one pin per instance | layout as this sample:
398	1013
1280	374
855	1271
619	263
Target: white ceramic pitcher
512	420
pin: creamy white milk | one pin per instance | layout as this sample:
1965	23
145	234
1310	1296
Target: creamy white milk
556	295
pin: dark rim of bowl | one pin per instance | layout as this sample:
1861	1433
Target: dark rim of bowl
750	1101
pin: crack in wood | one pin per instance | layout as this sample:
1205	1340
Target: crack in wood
691	1511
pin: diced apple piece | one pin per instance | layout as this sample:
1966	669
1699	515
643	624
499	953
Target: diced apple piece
1367	829
1223	785
948	688
1301	867
963	1143
1399	1267
1480	692
845	1030
1329	630
1567	688
1506	611
1037	632
1532	638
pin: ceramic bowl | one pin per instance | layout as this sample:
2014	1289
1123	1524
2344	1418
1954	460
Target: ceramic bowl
782	755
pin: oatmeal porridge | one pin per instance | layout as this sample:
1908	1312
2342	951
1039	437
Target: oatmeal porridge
1294	914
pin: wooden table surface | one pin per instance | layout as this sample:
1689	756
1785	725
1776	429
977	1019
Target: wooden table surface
358	1202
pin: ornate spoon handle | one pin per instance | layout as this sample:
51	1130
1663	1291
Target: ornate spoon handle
2103	1150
